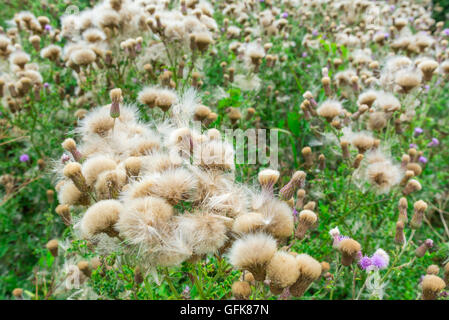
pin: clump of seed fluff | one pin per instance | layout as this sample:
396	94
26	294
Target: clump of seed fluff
134	194
349	250
431	286
282	271
253	252
309	271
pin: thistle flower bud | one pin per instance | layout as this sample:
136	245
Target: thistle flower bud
433	269
267	179
300	196
397	126
116	97
308	157
50	196
349	250
70	145
248	277
250	113
422	249
202	41
403	205
201	112
431	287
52	246
282	271
399	237
415	167
407	176
428	68
253	253
321	162
298	179
345	149
35	42
41	164
80	113
241	290
419	208
311	205
358	160
411	186
362	109
225	80
413	154
307	219
18	293
330	109
132	166
337	62
165	99
210	118
355	83
326	82
234	114
231	74
309	271
63	211
84	267
308	105
305	111
72	170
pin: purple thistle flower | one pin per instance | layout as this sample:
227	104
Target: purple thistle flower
422	159
304	54
413	145
24	158
365	262
446	32
315	33
46	85
379	261
386	35
284	15
308	66
295	213
48	27
64	158
427	88
392	7
429	243
418	131
433	143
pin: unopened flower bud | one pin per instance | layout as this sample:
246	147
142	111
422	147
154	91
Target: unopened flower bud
419	208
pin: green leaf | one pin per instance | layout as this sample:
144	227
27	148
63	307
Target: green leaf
344	51
293	123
